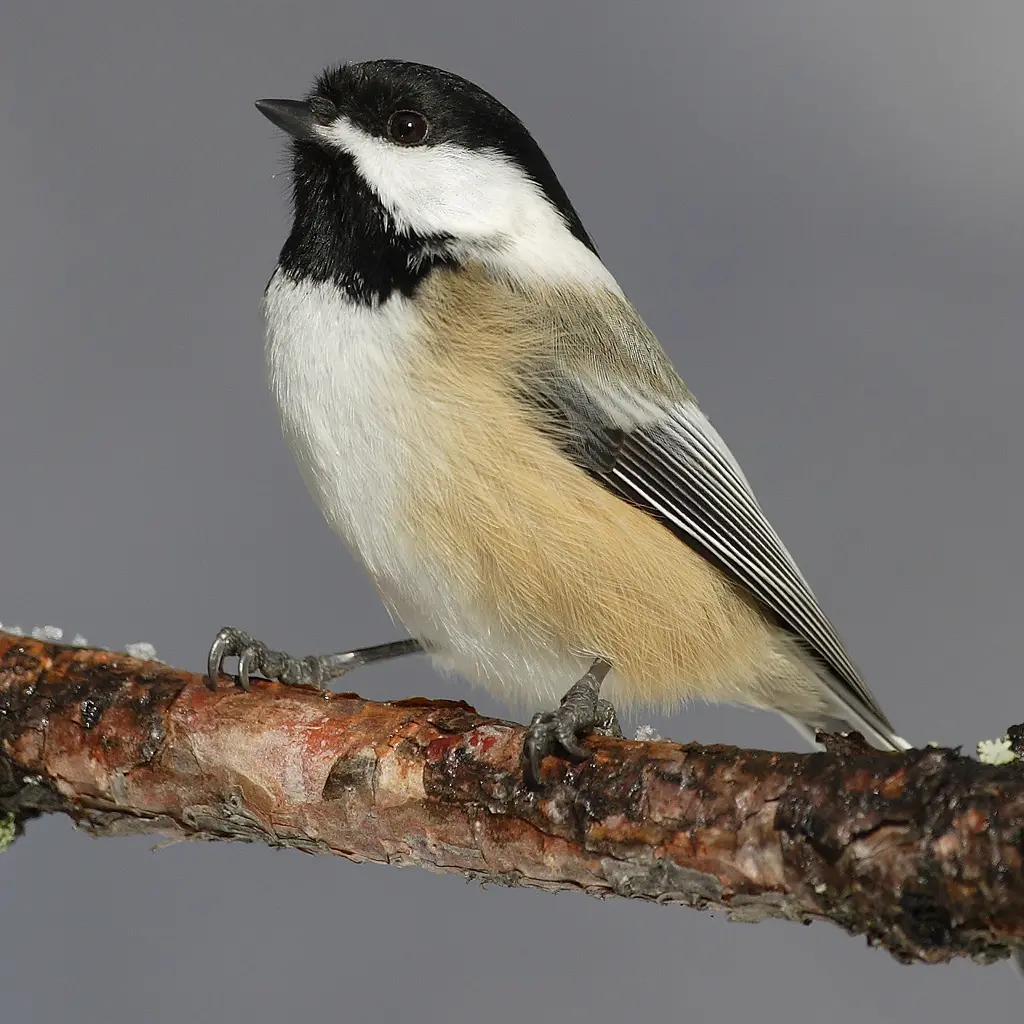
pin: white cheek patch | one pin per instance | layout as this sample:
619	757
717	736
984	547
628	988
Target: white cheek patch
443	188
492	209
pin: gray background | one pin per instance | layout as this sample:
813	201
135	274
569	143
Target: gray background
817	205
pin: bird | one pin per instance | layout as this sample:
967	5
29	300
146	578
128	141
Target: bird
487	422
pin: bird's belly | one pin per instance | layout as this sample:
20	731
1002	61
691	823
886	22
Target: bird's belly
376	468
369	465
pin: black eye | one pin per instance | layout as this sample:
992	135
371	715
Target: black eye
408	128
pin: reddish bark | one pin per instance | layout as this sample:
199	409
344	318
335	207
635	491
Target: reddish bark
921	852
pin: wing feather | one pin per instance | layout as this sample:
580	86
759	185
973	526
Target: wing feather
666	458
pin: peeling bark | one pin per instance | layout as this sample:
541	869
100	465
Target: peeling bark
921	852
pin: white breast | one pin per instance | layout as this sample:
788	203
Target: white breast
336	370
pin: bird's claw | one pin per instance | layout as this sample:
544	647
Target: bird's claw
557	732
255	658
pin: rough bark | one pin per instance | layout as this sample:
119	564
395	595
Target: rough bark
921	852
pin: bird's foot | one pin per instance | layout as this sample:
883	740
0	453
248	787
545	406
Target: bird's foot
255	658
581	711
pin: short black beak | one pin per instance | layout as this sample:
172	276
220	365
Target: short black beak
292	116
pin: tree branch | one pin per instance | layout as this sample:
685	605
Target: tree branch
921	852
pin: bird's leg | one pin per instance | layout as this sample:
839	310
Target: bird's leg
315	670
580	711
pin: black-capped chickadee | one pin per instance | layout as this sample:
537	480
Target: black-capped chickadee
482	415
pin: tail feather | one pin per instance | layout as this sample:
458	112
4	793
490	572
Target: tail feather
877	733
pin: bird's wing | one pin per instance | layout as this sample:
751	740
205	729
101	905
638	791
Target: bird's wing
663	455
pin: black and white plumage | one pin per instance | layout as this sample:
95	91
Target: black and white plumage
346	230
486	420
